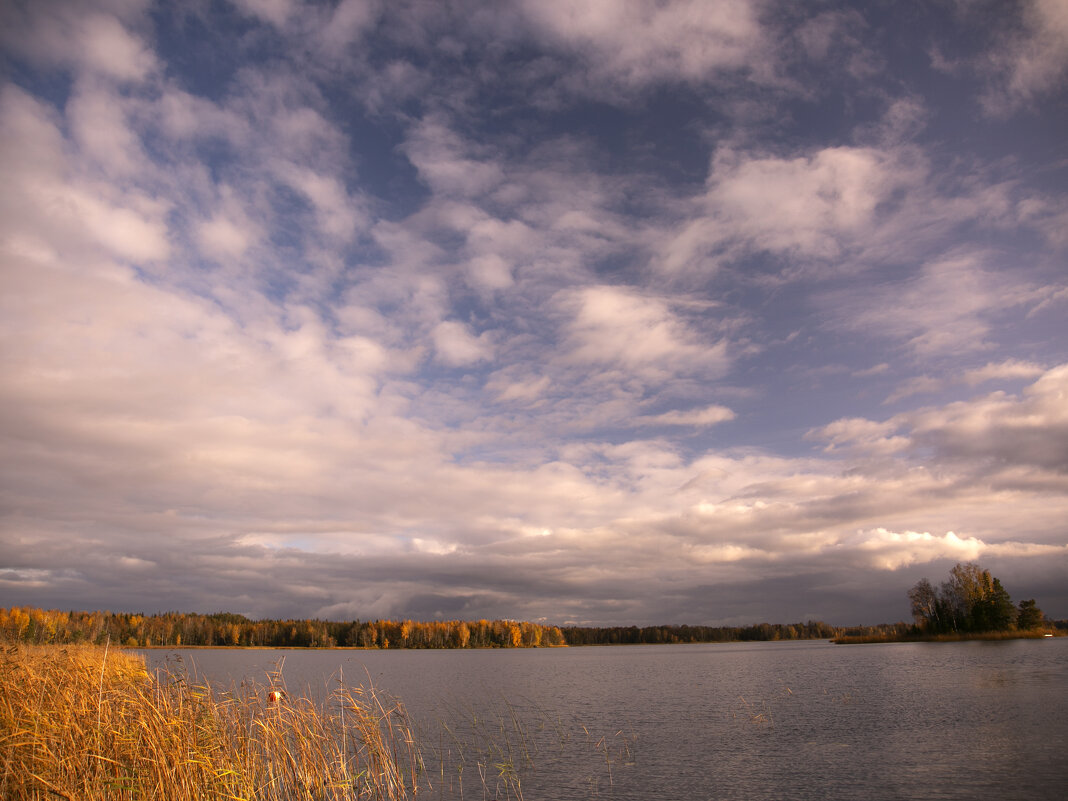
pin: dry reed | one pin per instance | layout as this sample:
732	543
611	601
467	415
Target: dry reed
81	722
861	639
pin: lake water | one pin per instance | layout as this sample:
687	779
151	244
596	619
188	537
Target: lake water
797	720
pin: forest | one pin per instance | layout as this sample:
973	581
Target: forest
650	635
30	625
40	626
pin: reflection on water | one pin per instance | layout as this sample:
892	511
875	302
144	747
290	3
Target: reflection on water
799	720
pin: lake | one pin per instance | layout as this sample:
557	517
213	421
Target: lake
782	720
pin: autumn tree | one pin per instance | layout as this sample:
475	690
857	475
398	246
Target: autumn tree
972	600
925	604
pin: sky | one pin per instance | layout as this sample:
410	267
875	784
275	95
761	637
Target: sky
604	312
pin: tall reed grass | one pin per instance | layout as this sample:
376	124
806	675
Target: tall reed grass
859	639
86	722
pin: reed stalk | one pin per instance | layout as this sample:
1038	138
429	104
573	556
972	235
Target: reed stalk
84	722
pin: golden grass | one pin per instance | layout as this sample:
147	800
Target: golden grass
85	722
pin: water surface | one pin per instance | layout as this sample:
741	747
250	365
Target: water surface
797	720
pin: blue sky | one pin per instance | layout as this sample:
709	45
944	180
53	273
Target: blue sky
585	312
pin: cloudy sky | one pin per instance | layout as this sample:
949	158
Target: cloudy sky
690	311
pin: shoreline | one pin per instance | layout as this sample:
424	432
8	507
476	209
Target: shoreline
991	636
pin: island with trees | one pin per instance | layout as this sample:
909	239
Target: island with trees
971	605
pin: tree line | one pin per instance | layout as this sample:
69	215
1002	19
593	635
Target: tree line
654	635
970	601
26	624
31	625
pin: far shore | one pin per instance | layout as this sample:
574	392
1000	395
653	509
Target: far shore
253	647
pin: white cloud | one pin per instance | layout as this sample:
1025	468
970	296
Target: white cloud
276	12
875	369
918	385
48	208
802	203
445	163
616	326
868	435
101	129
111	50
187	117
337	214
530	389
890	550
1031	429
490	272
349	20
992	434
1011	368
636	42
948	307
707	416
137	234
1033	62
91	40
813	206
457	347
229	232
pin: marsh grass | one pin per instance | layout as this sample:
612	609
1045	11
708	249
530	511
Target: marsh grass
85	722
859	639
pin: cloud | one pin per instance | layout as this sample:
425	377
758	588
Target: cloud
188	118
48	209
522	390
890	550
815	206
349	20
101	129
1030	429
1032	62
802	203
919	385
1011	368
337	214
229	232
399	321
875	369
949	306
616	326
456	346
96	40
991	434
708	416
635	42
276	12
868	435
443	161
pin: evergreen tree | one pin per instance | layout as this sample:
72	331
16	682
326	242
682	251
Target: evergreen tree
1029	616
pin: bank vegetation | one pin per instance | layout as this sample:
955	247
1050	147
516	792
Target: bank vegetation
223	629
89	723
